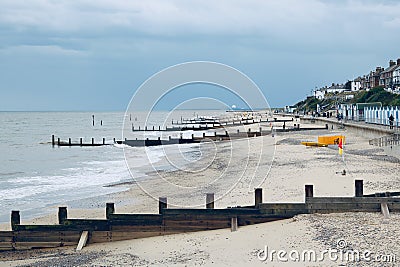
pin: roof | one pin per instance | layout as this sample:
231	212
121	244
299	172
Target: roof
390	69
372	104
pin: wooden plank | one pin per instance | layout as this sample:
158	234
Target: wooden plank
82	240
32	245
394	207
6	236
6	246
214	212
117	236
353	200
109	236
345	207
293	206
135	228
99	236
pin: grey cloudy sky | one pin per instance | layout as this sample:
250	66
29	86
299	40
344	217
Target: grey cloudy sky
92	55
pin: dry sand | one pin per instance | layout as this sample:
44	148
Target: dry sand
281	170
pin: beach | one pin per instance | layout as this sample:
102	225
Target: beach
282	171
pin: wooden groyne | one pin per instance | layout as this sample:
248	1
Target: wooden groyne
176	128
115	226
203	125
59	142
215	136
193	139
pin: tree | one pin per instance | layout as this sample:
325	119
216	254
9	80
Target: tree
347	85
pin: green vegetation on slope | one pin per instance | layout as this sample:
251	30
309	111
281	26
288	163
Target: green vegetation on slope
377	94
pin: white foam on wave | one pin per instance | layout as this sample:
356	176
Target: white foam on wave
89	174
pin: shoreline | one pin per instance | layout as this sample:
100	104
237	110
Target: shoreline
293	166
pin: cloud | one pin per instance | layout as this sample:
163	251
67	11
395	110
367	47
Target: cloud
288	44
159	17
48	50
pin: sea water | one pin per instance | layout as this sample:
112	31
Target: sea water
33	174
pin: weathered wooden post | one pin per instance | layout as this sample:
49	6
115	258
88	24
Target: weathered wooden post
93	119
145	128
192	136
69	141
110	209
257	196
210	200
326	126
159	127
359	188
92	140
234	224
114	139
226	133
53	142
159	138
153	127
15	219
62	215
80	141
104	141
162	204
204	135
133	127
58	141
309	188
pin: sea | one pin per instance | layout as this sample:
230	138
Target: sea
35	175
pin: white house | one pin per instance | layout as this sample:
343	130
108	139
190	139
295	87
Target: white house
355	85
334	88
319	94
396	77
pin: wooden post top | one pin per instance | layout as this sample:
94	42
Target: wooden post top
162	204
210	200
309	189
62	215
359	188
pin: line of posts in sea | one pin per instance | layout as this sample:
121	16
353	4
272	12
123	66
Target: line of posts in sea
188	124
203	125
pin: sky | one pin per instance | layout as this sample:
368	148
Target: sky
93	55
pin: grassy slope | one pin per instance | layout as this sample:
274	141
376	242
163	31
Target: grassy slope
377	94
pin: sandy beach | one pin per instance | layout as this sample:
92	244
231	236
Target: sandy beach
281	166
